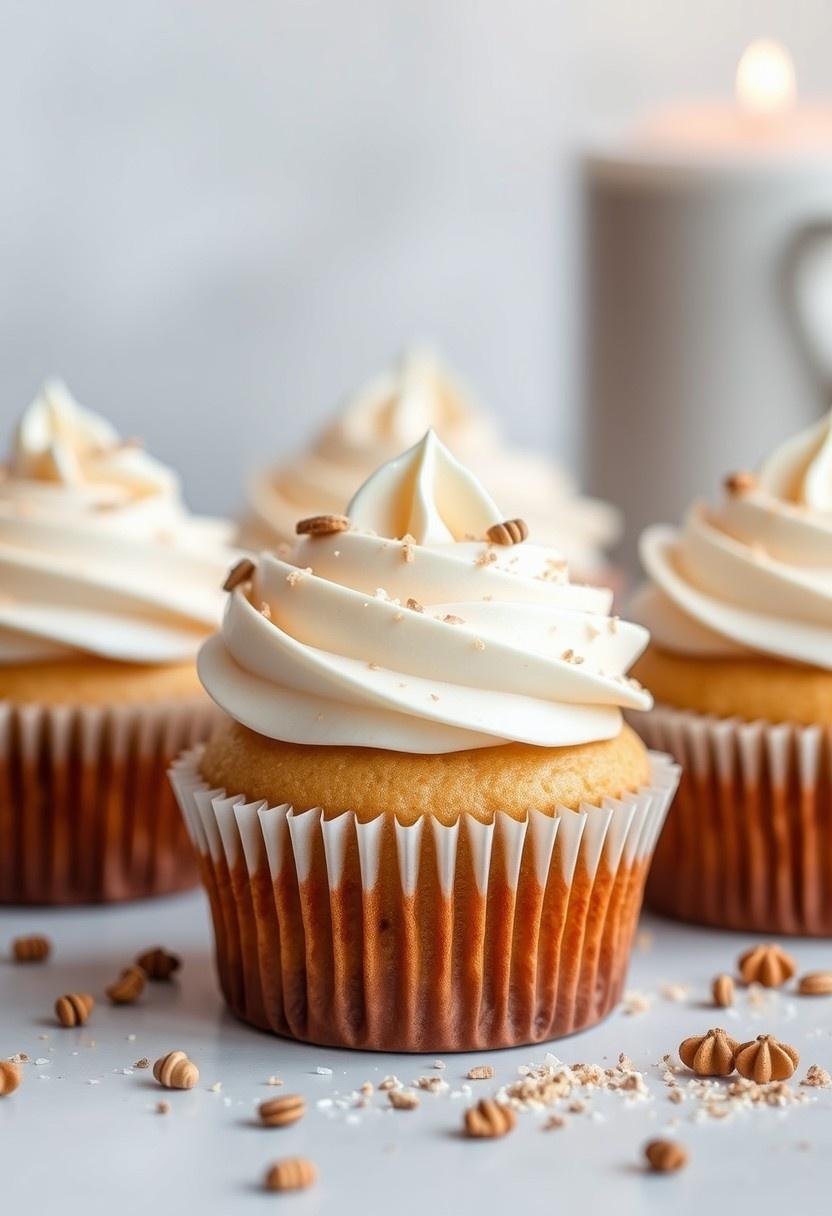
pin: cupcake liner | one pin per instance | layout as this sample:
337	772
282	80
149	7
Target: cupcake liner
86	811
424	937
749	843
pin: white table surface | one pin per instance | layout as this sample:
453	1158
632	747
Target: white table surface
81	1134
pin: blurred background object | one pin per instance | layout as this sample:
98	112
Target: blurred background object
215	211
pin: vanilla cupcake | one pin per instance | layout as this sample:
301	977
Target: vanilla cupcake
422	825
107	588
739	604
392	413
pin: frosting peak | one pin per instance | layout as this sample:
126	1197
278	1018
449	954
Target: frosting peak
98	554
754	574
425	637
425	494
392	413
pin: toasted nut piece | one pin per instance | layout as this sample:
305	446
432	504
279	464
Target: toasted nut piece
740	483
176	1071
280	1112
9	1078
766	1059
291	1174
768	965
128	988
322	525
489	1119
32	949
74	1008
709	1055
480	1072
509	532
722	990
239	573
402	1099
158	964
665	1156
815	983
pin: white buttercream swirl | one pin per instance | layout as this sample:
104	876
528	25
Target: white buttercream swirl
753	576
392	413
98	555
431	642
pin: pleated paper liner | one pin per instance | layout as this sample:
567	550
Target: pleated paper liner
86	810
748	845
426	937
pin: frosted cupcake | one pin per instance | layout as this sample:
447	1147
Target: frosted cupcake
739	603
392	413
422	825
107	588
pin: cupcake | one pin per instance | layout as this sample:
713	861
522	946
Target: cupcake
739	604
107	588
392	413
421	823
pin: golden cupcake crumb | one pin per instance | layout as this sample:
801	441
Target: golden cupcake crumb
665	1156
480	1072
402	1099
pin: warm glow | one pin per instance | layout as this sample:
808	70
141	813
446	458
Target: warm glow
765	79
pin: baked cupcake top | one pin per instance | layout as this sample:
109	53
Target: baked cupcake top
98	555
392	413
752	575
411	631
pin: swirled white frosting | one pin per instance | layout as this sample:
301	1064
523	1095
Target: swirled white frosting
430	642
98	555
392	413
754	575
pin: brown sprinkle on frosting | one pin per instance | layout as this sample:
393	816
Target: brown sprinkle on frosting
450	619
768	965
291	1174
322	525
509	532
665	1156
740	483
414	605
240	572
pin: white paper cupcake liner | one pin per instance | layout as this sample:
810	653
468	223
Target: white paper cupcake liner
86	812
423	937
749	843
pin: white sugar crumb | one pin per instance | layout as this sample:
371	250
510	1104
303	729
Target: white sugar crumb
389	1082
273	1081
323	1072
635	1002
42	1060
131	1038
439	1064
215	1088
265	611
398	616
486	558
612	624
592	633
675	992
479	644
296	576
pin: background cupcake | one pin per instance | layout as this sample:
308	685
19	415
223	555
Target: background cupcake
739	604
393	412
471	871
107	587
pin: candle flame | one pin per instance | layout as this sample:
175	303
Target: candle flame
765	79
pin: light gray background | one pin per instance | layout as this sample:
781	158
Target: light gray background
216	218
